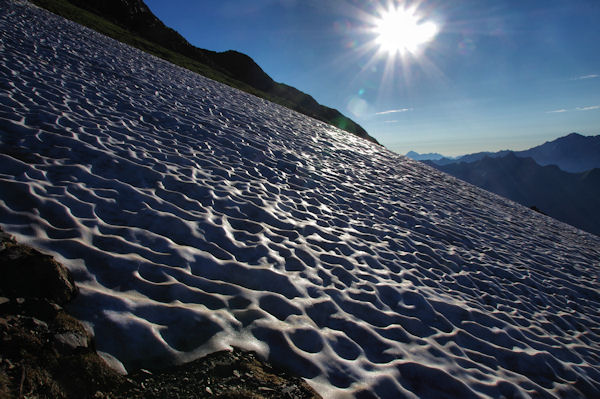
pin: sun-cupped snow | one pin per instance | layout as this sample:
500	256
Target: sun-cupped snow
196	217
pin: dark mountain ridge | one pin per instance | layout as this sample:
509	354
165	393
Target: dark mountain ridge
573	198
135	16
573	153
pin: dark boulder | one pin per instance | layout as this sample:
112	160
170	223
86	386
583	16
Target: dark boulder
27	273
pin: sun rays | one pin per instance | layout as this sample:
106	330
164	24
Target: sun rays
394	43
401	30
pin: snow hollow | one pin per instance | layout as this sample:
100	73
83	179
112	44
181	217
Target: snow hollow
195	217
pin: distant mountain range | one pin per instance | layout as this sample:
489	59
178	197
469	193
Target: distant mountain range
432	156
230	67
537	178
572	153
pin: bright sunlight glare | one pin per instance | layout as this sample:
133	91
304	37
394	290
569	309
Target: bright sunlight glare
403	31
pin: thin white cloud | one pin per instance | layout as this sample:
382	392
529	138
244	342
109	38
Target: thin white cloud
591	76
394	121
591	107
394	111
560	111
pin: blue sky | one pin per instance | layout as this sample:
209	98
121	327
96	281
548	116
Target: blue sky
502	74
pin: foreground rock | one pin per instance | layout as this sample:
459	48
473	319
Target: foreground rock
46	353
225	374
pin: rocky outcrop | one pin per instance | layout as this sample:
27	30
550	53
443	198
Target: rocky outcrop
44	352
224	374
27	273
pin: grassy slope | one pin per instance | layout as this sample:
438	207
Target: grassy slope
99	24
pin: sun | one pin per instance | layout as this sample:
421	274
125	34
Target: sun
403	31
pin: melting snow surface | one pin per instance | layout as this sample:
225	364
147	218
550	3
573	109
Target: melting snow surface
196	217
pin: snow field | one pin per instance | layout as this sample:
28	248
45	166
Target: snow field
195	217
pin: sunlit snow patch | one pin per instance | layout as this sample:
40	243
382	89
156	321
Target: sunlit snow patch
196	217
